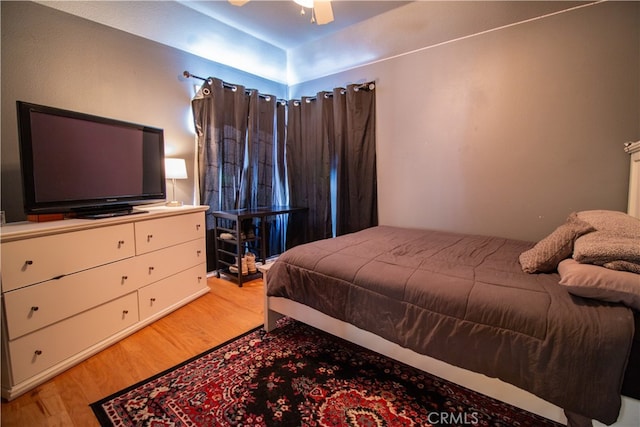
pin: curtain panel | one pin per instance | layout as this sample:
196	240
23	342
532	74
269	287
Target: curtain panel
309	145
221	120
356	177
331	161
265	145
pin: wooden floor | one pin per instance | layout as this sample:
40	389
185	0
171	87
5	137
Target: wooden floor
224	313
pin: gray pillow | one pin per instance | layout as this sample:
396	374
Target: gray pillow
545	256
592	281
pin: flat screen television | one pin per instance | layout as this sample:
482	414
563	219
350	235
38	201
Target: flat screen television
87	165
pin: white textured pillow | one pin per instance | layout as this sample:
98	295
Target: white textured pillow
592	281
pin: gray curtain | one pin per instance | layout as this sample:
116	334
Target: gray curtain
277	236
355	145
220	113
331	161
296	175
265	145
309	167
236	132
259	186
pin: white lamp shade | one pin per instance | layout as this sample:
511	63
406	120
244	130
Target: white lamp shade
305	3
175	168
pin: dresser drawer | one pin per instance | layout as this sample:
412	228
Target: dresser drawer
171	290
165	262
35	260
40	350
159	233
33	307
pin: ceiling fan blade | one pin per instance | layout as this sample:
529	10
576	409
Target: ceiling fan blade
238	2
323	11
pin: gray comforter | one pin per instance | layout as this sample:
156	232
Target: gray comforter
464	299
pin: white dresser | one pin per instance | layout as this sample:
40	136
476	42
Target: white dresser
71	288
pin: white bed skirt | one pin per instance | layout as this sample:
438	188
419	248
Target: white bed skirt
276	307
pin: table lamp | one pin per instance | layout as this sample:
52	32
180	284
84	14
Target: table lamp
175	169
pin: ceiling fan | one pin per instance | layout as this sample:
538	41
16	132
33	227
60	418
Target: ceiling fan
321	11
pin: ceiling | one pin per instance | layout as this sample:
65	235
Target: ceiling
281	24
271	40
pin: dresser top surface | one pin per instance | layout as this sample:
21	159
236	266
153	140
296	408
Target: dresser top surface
22	230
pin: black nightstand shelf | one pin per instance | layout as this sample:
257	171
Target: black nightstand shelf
235	240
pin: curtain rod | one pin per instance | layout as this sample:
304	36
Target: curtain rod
230	86
225	84
188	74
356	88
368	86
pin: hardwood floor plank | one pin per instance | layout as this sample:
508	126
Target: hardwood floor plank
222	314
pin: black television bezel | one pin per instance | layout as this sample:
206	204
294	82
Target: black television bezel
81	207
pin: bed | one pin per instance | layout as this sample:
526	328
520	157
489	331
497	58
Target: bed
489	313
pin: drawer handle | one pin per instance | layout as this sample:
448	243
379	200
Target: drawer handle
120	243
26	264
124	279
199	252
198	227
37	352
125	312
152	300
151	269
35	308
199	279
149	237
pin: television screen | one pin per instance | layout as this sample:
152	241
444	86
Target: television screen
75	162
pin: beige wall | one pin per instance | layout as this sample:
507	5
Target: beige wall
53	58
502	133
508	131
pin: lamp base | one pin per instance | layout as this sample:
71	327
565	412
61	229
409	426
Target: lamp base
174	204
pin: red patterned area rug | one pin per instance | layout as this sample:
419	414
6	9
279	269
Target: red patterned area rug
299	376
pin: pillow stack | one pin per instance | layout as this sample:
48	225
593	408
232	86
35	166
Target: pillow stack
596	253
